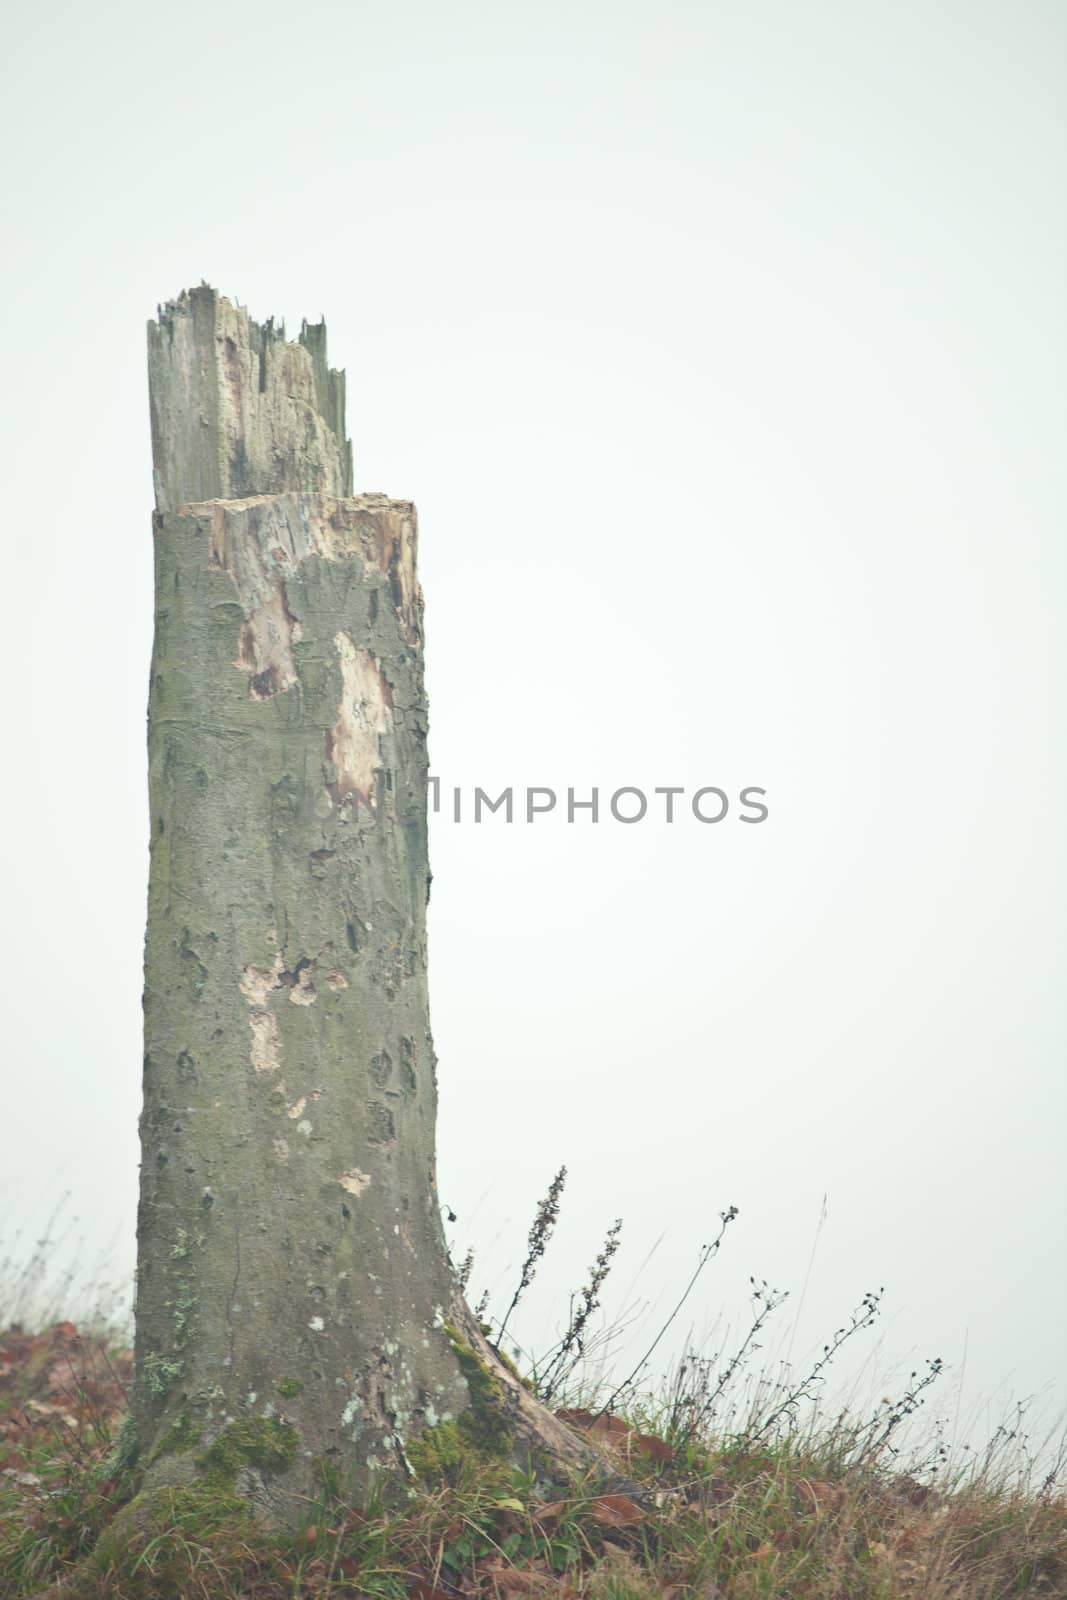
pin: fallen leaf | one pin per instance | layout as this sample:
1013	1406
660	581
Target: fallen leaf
615	1511
516	1580
646	1444
609	1427
426	1591
821	1495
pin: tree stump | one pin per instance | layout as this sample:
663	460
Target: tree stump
297	1316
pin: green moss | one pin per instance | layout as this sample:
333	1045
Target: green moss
289	1388
199	1508
478	1437
261	1442
506	1361
182	1435
483	1386
442	1452
212	1505
483	1421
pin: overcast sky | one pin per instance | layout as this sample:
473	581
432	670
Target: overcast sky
722	348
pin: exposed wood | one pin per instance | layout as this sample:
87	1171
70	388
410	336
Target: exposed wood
237	410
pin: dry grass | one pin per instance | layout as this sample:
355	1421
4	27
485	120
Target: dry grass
728	1486
803	1517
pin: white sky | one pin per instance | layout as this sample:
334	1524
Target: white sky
722	348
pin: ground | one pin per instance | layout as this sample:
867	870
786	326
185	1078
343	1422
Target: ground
697	1519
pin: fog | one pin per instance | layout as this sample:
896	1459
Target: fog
722	348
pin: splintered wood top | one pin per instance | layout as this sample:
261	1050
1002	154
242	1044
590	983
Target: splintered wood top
239	410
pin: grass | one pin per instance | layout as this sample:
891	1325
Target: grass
725	1485
713	1519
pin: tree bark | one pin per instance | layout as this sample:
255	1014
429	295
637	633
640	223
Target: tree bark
297	1317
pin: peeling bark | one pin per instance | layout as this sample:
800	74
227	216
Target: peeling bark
292	1270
